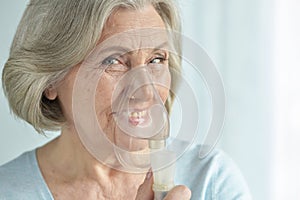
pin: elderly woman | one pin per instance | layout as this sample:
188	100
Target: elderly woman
58	59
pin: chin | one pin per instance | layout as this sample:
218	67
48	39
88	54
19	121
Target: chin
131	144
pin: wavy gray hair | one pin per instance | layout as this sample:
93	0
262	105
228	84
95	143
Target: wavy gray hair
52	37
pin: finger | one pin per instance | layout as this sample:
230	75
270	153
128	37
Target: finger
145	190
179	192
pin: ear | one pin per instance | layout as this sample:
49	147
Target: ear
51	93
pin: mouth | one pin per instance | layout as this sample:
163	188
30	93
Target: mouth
136	118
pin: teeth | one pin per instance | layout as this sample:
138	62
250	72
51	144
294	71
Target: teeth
137	114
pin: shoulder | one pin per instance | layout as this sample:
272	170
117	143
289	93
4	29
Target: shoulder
16	173
214	177
20	178
17	169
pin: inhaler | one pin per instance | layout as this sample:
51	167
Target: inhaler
138	90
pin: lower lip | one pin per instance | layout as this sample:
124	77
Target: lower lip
141	122
136	121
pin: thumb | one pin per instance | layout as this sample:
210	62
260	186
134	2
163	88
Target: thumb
179	192
145	190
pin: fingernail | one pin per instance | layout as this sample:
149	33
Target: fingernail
149	174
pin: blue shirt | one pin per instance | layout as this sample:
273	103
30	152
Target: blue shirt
212	178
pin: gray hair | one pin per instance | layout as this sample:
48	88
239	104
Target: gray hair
52	37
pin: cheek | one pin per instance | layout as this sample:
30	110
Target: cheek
103	110
104	94
163	93
164	89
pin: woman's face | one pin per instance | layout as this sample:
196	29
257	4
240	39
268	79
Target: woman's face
144	49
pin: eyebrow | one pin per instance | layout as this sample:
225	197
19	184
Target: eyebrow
123	49
163	46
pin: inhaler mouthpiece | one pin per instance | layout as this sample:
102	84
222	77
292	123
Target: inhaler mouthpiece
139	112
163	166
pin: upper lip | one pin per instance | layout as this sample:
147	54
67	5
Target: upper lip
135	107
131	110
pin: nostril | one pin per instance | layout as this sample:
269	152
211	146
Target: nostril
144	93
139	87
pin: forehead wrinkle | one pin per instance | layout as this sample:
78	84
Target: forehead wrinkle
132	20
123	19
120	48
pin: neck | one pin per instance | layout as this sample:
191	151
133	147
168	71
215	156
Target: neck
66	159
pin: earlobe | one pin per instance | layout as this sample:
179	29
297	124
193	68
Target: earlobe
50	93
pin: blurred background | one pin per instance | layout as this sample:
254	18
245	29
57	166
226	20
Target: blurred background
255	45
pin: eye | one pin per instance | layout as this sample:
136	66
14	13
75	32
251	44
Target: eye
114	66
110	61
158	60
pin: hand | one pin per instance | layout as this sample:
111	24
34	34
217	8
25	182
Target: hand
179	192
145	192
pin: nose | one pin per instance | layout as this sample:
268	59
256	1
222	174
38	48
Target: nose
144	88
137	58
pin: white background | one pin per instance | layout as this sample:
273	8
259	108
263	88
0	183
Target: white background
255	45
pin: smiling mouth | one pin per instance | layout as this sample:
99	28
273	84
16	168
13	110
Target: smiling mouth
136	118
133	118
